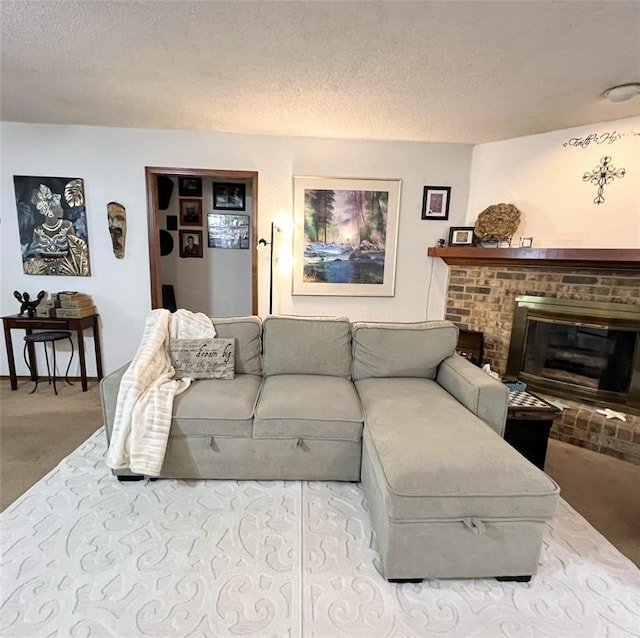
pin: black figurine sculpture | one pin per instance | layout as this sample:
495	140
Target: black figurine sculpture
28	304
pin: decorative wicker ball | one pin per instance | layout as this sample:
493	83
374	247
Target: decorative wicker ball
499	221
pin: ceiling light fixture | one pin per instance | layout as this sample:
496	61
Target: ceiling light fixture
623	92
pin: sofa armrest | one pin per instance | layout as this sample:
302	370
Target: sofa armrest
485	396
109	387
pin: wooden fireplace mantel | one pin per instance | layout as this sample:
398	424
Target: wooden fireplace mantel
610	258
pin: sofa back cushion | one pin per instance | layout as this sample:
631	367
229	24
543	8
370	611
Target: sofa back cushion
401	349
307	345
247	332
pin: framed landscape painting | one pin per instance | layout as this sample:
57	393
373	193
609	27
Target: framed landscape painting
345	236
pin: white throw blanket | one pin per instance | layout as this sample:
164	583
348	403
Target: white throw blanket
145	399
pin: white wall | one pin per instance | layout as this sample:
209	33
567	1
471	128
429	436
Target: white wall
543	177
111	161
230	268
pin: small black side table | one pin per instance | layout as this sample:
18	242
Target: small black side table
28	324
48	337
529	421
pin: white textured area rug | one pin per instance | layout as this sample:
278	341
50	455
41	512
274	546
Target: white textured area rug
84	556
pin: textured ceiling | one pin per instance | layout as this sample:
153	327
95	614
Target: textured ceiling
444	71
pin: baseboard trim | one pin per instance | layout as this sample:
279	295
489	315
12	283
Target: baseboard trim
6	377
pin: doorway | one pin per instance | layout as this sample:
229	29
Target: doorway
195	206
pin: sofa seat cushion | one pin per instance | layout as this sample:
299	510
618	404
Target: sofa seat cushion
435	459
216	407
308	406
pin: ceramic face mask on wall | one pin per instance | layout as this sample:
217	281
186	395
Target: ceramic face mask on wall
117	216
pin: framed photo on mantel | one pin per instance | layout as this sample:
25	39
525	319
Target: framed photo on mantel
462	236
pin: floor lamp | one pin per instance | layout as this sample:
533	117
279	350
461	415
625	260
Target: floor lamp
264	242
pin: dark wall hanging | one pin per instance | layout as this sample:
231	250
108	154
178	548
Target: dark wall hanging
166	243
172	222
52	222
601	176
165	189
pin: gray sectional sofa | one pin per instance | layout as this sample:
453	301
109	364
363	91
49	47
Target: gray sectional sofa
391	405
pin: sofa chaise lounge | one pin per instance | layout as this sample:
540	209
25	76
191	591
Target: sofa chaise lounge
389	404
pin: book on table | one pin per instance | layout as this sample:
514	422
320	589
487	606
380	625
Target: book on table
69	295
65	313
75	313
66	305
80	303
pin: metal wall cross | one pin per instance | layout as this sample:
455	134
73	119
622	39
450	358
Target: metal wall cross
602	175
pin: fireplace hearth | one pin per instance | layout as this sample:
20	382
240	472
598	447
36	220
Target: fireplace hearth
481	296
577	349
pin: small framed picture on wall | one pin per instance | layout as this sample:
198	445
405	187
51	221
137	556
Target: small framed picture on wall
462	236
228	196
190	212
435	202
190	186
228	231
190	243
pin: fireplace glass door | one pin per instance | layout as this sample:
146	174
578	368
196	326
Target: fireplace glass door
587	356
577	349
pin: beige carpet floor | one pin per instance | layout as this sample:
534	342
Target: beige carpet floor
38	430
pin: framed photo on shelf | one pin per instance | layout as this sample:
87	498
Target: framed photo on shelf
435	202
190	212
228	196
190	243
462	236
228	231
345	236
190	186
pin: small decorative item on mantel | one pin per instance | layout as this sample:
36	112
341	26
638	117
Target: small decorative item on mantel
496	225
526	242
27	304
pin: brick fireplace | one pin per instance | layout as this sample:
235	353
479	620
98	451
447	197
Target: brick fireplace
481	296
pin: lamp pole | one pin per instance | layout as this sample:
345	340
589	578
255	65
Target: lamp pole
264	242
271	271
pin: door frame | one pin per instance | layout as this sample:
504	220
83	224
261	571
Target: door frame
151	172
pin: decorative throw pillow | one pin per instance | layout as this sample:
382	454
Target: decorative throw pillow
203	358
